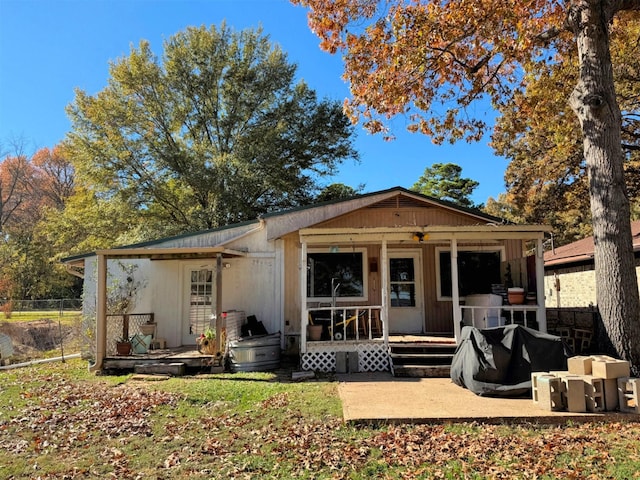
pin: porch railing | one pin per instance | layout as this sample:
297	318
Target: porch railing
494	316
341	324
123	326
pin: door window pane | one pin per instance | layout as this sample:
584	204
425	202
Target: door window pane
403	282
402	270
200	300
403	295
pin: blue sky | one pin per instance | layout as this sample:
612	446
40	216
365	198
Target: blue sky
50	47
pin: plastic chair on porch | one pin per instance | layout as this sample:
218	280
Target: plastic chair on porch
487	317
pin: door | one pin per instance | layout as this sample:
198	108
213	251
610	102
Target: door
198	303
406	303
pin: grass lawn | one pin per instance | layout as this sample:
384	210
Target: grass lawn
58	421
33	315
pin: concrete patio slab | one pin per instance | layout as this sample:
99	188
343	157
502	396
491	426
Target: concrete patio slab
378	396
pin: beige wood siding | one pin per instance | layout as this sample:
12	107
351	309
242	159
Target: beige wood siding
400	217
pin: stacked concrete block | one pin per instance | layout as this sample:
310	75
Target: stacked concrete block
580	365
610	386
609	367
628	392
594	393
547	392
573	391
595	383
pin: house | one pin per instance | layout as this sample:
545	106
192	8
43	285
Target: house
342	276
570	280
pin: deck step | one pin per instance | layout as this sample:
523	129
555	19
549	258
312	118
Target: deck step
417	359
176	369
425	356
422	371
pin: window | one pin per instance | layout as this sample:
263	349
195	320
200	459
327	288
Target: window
477	271
345	269
403	282
200	300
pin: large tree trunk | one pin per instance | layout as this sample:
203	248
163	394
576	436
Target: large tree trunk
594	102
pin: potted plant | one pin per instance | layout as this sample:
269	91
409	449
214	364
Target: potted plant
123	346
121	300
207	342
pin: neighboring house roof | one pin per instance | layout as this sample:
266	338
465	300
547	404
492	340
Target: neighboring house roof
582	250
286	221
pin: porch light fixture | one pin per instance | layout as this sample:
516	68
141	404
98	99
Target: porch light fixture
334	249
418	237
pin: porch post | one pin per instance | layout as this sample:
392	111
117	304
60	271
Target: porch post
101	313
542	309
384	290
455	292
219	322
304	312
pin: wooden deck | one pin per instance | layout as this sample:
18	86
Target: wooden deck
188	355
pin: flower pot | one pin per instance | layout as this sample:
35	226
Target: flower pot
314	332
207	346
515	295
123	348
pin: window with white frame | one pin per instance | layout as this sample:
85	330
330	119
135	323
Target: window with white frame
478	270
343	272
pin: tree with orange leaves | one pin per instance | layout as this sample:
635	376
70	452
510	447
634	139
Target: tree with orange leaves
55	176
30	187
432	60
16	193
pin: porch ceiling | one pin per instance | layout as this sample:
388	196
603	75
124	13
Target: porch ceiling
431	233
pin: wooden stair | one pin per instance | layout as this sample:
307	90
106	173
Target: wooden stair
424	360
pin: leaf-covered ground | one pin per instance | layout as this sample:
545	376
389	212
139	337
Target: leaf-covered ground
69	426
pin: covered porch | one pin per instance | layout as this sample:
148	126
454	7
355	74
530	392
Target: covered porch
412	285
110	327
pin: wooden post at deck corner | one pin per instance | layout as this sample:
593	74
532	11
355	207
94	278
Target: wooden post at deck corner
542	308
384	290
101	313
219	320
455	291
304	310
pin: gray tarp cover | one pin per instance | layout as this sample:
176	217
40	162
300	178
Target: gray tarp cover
499	361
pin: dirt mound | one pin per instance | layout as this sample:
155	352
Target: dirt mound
32	339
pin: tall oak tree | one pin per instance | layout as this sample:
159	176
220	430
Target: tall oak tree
216	131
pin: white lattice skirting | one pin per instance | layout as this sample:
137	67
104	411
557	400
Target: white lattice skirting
372	357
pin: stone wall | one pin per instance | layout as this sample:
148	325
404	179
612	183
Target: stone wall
577	286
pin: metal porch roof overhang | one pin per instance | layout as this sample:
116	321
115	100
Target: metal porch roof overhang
170	253
156	253
431	233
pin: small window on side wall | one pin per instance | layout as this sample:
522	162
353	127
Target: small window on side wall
342	271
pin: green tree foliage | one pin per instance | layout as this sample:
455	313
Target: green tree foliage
89	222
444	181
215	132
337	191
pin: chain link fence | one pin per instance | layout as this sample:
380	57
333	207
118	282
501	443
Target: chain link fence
32	330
